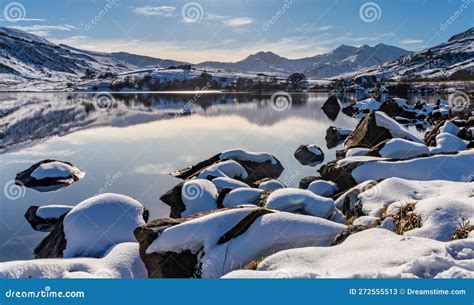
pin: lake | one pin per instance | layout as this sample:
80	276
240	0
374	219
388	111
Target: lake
128	143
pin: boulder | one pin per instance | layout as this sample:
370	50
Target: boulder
211	244
375	128
399	149
257	165
310	155
331	107
306	181
49	175
335	136
93	226
45	218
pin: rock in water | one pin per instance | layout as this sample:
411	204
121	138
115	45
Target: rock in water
335	136
44	218
309	155
375	128
49	175
331	107
93	226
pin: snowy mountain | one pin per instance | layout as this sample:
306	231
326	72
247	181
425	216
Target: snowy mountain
452	60
341	60
29	58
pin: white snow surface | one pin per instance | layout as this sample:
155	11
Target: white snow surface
229	183
120	261
367	104
396	130
268	234
441	204
228	168
402	149
244	155
453	167
295	200
314	149
357	152
55	169
323	188
271	184
242	196
447	142
52	211
97	223
365	221
198	195
373	253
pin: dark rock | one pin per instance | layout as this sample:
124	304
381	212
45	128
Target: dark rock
393	109
430	137
193	170
24	178
309	155
367	133
335	136
53	245
38	223
342	176
331	107
173	199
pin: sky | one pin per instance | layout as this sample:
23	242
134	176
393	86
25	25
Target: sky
230	30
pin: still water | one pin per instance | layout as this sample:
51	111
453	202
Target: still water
131	145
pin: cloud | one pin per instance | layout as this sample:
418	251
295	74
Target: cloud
238	21
39	28
166	11
26	19
411	41
309	28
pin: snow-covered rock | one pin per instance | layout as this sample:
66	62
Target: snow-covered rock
442	205
399	149
362	107
357	152
223	241
44	218
245	155
49	175
349	172
228	168
310	155
448	143
97	223
373	253
242	196
297	200
271	184
368	221
323	188
120	261
375	128
198	195
228	183
335	136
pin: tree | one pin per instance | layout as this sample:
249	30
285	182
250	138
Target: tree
296	80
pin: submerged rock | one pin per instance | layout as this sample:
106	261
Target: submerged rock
310	155
49	175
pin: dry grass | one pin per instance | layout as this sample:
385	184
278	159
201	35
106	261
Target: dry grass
405	218
463	230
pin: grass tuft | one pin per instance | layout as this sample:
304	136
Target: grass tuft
405	218
463	229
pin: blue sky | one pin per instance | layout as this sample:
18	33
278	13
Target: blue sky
229	30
